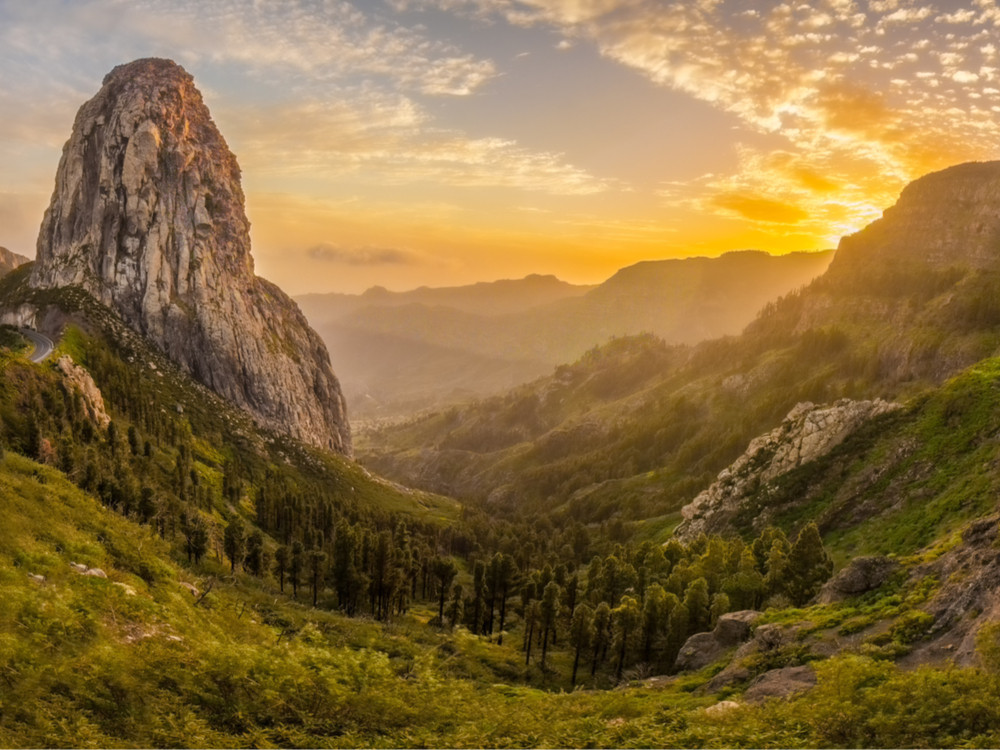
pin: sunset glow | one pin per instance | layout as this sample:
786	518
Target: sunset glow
409	142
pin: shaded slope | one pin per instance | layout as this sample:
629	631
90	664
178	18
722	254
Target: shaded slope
9	261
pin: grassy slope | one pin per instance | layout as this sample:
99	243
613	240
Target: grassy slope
903	481
85	663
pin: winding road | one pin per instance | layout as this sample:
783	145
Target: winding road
43	344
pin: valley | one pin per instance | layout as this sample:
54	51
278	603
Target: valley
741	501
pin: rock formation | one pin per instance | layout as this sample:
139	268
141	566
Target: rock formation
701	649
78	379
147	216
861	575
808	432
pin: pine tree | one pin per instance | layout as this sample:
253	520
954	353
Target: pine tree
677	630
455	606
548	609
626	617
478	595
532	614
580	634
653	619
777	578
746	587
234	542
281	558
253	562
317	559
719	607
697	603
809	565
196	538
602	635
295	566
444	572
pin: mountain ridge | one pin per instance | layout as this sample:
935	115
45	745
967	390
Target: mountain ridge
682	300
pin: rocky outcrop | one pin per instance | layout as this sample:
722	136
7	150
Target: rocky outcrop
861	575
78	379
781	683
808	432
702	649
148	217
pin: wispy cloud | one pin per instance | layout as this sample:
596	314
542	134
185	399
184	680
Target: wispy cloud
865	95
389	139
360	256
334	88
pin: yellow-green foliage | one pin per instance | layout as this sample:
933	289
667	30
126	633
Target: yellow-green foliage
85	663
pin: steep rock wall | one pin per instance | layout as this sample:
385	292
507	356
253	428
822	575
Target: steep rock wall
148	216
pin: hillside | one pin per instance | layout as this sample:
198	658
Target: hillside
404	351
157	653
643	449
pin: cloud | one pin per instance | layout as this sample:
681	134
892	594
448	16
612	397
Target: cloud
360	256
869	95
760	209
389	139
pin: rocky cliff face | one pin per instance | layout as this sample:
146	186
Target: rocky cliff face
147	215
944	219
808	432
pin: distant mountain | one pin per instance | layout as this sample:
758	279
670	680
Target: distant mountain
9	261
400	351
482	298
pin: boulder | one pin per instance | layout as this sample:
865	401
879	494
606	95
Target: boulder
733	628
701	649
722	707
781	683
698	651
862	574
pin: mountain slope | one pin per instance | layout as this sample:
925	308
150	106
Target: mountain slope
872	326
526	327
147	216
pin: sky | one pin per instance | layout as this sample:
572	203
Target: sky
437	142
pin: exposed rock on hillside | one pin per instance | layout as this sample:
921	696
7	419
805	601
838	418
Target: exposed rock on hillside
77	378
147	216
808	432
968	599
863	574
701	649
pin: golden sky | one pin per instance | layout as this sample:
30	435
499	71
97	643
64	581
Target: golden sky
439	142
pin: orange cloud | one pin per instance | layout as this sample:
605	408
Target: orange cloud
760	209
